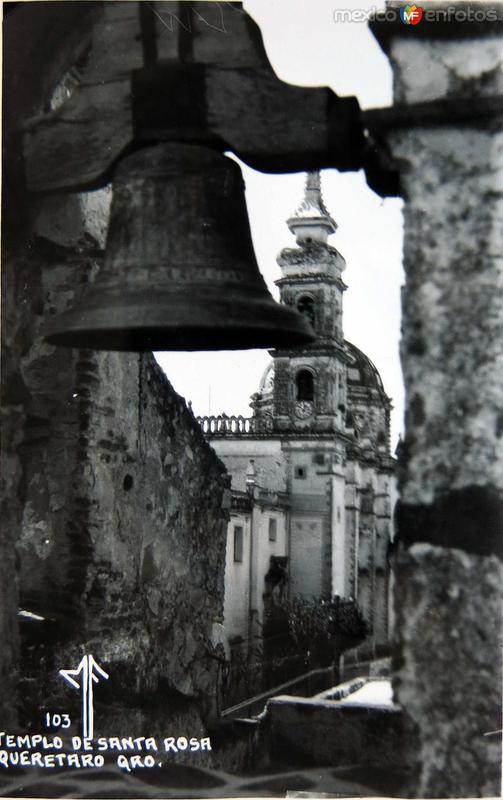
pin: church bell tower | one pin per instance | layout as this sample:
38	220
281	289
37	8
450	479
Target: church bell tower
319	437
309	381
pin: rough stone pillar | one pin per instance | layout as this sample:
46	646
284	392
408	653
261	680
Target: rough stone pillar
447	595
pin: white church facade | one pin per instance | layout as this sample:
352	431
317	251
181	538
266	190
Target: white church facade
313	480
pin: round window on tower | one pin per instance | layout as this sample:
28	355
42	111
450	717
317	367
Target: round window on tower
305	305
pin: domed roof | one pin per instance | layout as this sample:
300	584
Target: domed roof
361	371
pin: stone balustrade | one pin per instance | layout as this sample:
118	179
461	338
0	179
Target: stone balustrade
224	425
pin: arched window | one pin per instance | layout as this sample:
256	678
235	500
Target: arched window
305	305
305	385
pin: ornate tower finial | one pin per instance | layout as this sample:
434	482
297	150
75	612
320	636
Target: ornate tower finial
313	180
311	221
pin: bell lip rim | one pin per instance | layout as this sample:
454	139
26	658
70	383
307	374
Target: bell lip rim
197	333
144	339
181	320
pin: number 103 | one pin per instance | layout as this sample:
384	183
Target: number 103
57	720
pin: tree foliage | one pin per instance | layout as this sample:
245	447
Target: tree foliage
322	627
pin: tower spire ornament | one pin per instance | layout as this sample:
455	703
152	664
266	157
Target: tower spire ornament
311	220
313	181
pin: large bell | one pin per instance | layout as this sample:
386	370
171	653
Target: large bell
179	271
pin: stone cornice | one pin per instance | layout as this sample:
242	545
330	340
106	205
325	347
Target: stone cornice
317	349
312	277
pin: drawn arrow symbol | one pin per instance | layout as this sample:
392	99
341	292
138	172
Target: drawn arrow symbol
83	677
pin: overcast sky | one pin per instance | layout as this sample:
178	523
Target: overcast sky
306	47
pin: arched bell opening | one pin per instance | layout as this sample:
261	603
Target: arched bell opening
306	307
304	385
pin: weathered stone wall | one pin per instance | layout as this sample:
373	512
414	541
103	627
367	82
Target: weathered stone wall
113	549
318	731
448	581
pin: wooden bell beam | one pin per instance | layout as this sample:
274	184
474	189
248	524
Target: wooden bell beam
192	72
